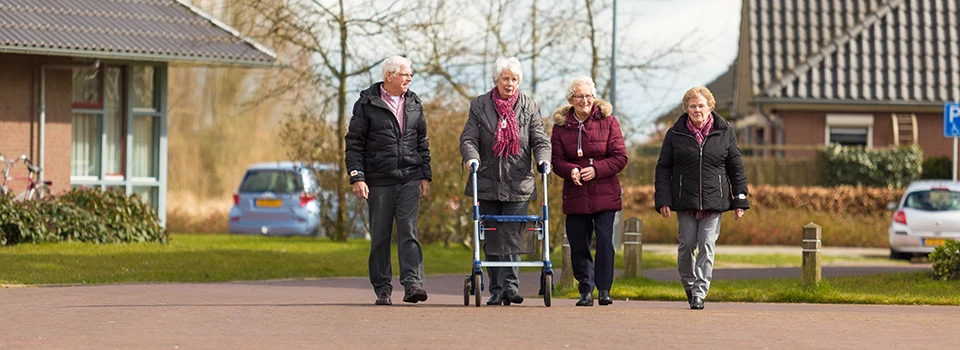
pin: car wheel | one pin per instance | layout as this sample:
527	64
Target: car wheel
895	255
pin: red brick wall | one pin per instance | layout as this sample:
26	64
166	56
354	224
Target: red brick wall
807	128
802	128
19	113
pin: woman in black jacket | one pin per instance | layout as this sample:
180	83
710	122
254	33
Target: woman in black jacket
699	175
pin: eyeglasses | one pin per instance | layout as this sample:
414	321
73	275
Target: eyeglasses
405	75
582	97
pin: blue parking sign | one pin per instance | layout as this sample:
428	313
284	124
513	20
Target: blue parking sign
951	119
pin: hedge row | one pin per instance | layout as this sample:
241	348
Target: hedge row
890	167
843	199
84	215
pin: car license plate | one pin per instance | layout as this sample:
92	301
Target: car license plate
269	203
933	242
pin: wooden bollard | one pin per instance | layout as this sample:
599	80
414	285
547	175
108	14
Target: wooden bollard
632	247
566	274
811	254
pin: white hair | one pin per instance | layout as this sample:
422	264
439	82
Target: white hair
578	81
393	63
511	64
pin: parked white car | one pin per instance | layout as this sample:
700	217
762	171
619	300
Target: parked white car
926	217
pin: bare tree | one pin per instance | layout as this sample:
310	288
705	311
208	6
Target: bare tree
346	40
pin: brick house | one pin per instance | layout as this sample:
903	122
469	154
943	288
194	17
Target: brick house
860	72
84	91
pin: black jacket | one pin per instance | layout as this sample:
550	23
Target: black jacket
376	150
710	178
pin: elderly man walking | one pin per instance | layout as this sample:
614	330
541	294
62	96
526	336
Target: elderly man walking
388	158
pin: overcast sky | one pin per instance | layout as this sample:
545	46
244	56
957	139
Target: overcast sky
716	28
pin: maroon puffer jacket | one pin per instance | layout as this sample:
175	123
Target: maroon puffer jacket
602	144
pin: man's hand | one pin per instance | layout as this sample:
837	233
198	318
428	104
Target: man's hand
575	176
588	173
665	212
738	213
424	187
360	190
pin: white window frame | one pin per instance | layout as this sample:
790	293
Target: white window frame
849	120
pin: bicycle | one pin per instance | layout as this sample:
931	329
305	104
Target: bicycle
35	190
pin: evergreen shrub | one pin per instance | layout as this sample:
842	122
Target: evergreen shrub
84	215
945	260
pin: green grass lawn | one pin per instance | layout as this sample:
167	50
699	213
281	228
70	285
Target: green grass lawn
218	258
901	288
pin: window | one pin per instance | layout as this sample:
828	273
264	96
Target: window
148	194
85	158
146	146
87	88
276	181
849	130
118	119
100	125
143	88
113	124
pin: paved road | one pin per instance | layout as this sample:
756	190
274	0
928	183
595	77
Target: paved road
338	313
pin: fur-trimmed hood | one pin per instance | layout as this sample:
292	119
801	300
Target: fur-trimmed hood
560	115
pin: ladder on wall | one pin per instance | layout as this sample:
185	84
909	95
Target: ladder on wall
904	129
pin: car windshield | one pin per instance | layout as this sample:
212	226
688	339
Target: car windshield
933	200
277	181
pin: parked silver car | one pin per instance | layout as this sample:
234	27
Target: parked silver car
279	198
926	216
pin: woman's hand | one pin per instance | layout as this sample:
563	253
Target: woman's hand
738	213
665	212
575	176
588	173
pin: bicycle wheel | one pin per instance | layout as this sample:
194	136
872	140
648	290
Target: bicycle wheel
39	193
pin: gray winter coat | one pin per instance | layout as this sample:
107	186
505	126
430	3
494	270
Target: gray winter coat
508	179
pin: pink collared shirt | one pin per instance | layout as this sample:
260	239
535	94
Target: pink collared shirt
395	104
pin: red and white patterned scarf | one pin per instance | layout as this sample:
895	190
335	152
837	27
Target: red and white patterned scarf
508	132
701	134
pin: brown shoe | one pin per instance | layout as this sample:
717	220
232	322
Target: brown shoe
414	295
384	298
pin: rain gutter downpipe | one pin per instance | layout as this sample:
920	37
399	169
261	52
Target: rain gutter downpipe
776	126
43	105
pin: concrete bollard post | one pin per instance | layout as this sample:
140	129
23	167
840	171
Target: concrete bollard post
811	254
618	232
632	247
566	273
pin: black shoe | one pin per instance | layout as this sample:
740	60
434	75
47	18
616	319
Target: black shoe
697	303
604	298
495	299
414	295
511	296
586	299
689	296
384	298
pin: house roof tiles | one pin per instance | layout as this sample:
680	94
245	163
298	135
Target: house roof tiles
154	30
856	50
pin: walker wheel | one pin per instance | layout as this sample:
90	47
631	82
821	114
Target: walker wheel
547	289
476	288
466	290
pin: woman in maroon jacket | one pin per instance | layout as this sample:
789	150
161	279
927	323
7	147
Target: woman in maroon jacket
588	152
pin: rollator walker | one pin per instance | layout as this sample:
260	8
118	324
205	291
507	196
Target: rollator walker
473	283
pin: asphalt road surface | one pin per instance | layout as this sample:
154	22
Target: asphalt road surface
339	313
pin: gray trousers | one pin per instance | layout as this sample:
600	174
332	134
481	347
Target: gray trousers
386	203
700	235
504	278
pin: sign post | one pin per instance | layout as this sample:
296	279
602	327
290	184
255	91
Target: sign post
951	128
